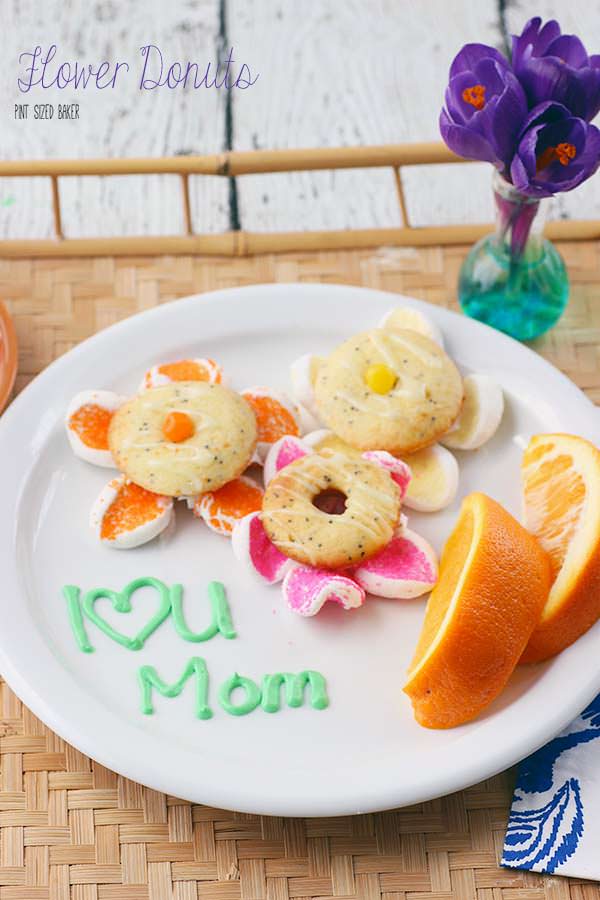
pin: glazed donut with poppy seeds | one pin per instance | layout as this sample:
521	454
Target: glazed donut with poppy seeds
183	439
316	537
390	390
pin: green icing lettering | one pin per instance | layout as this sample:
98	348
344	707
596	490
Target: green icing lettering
121	602
220	623
252	700
294	690
71	594
150	680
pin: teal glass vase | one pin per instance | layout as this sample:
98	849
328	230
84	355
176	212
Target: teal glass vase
514	279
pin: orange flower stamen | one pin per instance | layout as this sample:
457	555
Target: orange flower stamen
475	95
563	153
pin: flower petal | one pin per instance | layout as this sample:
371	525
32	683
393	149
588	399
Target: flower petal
252	547
221	509
398	469
303	373
88	417
126	515
434	479
406	568
183	370
306	590
276	416
283	452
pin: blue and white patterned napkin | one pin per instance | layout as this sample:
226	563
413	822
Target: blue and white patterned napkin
554	823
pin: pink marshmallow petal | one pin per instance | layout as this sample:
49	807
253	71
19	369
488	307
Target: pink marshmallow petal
306	590
252	547
406	568
283	452
399	471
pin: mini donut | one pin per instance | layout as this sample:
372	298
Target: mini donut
183	439
396	391
307	534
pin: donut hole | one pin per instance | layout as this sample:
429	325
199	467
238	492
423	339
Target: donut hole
330	501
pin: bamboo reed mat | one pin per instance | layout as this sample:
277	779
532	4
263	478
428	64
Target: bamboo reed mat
71	830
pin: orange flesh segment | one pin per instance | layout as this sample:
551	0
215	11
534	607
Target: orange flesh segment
133	506
90	423
190	370
273	420
222	508
555	492
178	426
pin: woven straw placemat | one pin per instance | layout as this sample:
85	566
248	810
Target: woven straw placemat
71	830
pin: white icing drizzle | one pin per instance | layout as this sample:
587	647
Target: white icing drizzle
361	497
424	356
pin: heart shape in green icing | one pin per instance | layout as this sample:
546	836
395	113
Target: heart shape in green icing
121	602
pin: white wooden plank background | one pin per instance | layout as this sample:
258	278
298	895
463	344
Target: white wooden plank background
119	122
332	72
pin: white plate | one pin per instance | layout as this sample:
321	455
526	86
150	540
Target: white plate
363	753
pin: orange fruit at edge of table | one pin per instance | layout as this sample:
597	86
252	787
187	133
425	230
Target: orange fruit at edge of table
494	580
561	491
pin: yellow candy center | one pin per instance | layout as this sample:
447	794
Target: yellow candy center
380	378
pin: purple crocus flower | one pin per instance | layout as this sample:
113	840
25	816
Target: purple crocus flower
485	106
555	66
556	151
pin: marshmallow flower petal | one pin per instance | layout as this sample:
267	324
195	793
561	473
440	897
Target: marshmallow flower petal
125	515
399	470
407	318
222	508
283	452
87	421
406	568
306	590
276	416
480	416
434	480
303	374
253	549
183	370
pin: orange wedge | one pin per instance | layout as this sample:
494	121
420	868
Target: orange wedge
494	580
561	489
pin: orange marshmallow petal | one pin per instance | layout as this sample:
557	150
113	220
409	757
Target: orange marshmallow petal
221	509
178	427
183	370
126	515
276	416
87	422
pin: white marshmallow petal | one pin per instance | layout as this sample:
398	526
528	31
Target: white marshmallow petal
480	416
434	481
405	317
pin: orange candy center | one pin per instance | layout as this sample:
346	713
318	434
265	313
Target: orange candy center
90	423
563	153
133	506
475	95
177	427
